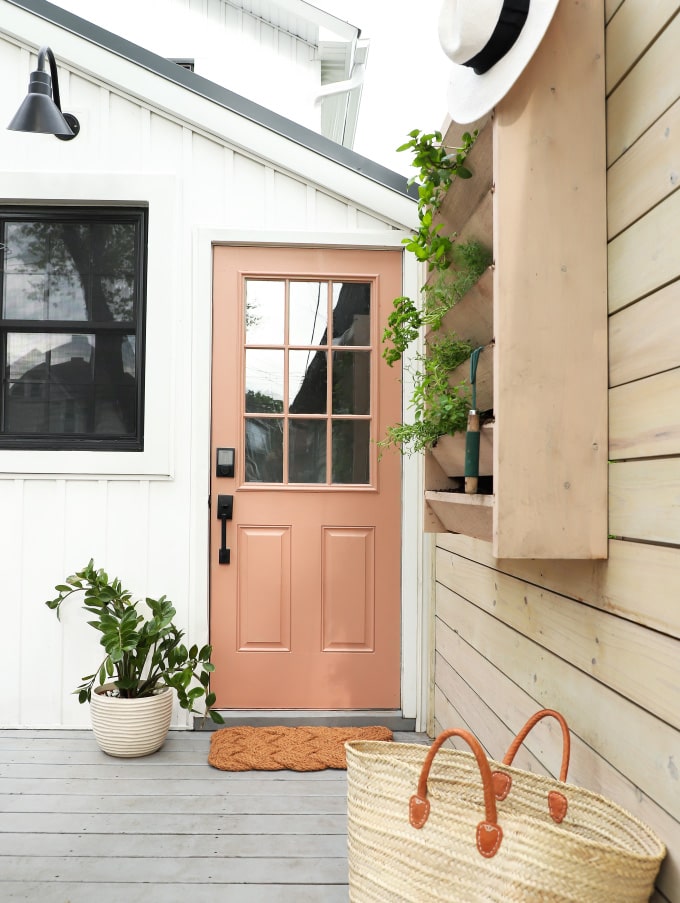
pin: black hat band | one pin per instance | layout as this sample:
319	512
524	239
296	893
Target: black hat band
510	24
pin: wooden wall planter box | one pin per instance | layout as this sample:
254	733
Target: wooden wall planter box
484	378
542	198
449	453
461	513
472	317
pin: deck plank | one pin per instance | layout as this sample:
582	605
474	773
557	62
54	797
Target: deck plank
86	892
181	805
200	822
180	846
77	825
162	870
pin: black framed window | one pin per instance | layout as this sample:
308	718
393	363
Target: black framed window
72	308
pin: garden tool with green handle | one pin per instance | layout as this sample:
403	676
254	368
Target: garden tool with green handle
472	434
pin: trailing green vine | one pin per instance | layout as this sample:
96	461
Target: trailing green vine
438	407
437	167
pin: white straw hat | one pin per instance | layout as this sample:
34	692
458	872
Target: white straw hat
490	42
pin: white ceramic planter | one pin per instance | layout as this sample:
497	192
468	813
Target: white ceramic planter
130	727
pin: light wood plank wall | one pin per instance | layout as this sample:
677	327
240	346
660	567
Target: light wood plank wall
600	641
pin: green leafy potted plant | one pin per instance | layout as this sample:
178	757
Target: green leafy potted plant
130	693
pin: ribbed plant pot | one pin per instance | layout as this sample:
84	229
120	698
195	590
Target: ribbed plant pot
130	727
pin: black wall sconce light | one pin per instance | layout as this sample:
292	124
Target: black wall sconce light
41	108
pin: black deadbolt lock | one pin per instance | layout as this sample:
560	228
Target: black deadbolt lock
224	466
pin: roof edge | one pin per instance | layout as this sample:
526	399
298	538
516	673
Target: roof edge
234	103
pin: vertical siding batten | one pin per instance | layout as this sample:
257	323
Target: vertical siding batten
12	545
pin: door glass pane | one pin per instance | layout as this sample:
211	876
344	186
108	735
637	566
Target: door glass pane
265	311
264	450
351	382
307	377
351	313
308	313
307	451
351	443
264	381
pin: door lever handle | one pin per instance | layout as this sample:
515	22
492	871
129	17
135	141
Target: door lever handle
225	511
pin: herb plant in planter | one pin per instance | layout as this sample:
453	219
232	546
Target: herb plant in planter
144	661
439	408
468	261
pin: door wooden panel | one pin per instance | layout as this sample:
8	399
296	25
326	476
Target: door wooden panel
306	614
348	596
263	602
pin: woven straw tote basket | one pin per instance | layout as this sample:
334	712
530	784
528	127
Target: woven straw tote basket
439	824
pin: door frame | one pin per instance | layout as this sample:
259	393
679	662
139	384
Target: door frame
417	548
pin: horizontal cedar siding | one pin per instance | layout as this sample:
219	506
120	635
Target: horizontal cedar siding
600	640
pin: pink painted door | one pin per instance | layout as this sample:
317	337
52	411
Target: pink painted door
306	613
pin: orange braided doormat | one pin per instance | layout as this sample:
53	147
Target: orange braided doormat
291	748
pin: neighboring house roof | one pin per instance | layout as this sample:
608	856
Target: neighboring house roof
218	94
234	43
296	16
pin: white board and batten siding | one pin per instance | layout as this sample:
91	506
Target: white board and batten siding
600	640
202	170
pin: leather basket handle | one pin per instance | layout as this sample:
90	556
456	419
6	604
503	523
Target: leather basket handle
489	832
557	802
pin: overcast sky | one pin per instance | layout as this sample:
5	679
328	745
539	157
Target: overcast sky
406	76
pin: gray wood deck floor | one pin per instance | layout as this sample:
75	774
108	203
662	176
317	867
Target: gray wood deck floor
77	826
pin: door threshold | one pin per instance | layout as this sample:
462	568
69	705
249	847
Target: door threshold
390	718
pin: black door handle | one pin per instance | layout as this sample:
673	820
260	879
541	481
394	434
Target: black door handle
225	511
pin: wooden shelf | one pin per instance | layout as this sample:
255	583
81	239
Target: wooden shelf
461	513
538	199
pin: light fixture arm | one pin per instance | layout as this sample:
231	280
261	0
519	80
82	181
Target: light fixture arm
71	120
47	52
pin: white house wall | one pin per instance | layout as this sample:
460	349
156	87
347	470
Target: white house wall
131	511
273	66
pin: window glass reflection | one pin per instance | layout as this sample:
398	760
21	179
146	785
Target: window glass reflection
351	444
351	382
25	296
264	381
307	376
265	301
351	313
71	384
308	313
49	385
307	451
27	247
70	271
264	450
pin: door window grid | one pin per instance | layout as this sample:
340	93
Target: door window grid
326	441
